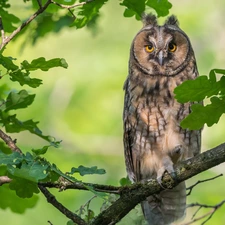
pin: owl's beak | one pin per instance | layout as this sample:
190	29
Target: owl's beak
160	57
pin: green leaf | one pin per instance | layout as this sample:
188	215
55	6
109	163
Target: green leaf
24	78
201	87
13	125
5	149
44	65
55	169
98	194
161	7
44	149
125	181
129	13
19	100
7	62
208	114
49	23
20	205
87	13
70	222
134	7
8	20
24	188
34	172
82	170
40	151
14	158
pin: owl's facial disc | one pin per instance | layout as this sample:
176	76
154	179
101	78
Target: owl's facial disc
160	50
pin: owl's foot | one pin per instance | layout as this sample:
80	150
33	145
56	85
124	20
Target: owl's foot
161	172
167	167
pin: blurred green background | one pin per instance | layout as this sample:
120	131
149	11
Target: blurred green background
83	104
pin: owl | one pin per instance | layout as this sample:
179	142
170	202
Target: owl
161	58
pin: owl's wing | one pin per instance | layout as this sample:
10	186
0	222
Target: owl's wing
132	163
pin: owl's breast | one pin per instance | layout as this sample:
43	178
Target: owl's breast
154	110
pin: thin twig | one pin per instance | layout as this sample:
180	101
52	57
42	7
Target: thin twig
209	214
2	32
32	17
4	180
201	181
8	140
52	200
42	8
87	204
39	3
83	186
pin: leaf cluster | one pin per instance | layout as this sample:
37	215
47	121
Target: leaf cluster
203	88
27	170
12	100
137	8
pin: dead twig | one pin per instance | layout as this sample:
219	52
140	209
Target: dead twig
209	214
201	181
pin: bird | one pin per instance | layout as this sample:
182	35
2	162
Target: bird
161	58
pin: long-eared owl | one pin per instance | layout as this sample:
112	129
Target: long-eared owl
161	58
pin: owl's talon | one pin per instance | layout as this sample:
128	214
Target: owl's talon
173	175
159	179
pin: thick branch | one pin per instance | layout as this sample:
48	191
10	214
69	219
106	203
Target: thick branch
134	194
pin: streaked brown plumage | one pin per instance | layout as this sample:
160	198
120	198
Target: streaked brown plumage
161	58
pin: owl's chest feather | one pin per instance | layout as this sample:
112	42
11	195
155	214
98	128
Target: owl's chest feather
156	113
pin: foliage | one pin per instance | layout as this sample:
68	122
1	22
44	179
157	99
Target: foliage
28	169
198	90
136	8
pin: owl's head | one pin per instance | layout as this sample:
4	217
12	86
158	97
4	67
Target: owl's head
161	50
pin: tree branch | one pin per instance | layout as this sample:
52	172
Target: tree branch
134	194
201	181
52	200
82	186
4	180
42	8
15	32
8	140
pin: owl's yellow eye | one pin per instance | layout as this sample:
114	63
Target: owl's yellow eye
172	47
149	48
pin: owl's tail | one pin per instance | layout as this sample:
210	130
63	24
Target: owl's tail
166	207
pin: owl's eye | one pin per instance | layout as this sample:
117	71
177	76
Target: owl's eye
149	48
172	47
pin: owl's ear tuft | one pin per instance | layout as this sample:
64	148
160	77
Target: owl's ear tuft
149	19
172	20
